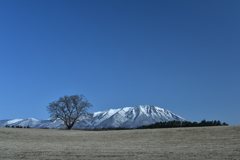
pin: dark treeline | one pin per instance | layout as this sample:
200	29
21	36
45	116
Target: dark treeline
169	124
103	129
173	124
17	126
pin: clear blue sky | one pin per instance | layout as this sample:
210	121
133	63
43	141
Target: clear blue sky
183	56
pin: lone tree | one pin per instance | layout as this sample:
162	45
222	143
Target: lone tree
69	109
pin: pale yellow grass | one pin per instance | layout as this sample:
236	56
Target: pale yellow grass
176	143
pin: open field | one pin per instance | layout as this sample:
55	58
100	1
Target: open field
175	143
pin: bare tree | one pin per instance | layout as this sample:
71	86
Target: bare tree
69	109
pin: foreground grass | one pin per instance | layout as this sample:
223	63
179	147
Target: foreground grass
173	143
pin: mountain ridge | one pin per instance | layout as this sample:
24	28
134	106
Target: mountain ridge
127	117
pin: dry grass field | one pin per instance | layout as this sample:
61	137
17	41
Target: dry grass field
176	143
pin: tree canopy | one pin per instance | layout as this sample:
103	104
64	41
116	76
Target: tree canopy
69	109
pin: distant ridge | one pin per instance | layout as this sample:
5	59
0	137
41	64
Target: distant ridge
127	117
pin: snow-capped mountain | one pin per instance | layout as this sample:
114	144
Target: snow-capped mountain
33	123
131	117
128	117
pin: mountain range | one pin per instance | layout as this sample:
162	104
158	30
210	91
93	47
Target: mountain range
127	117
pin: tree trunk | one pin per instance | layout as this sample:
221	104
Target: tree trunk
70	126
